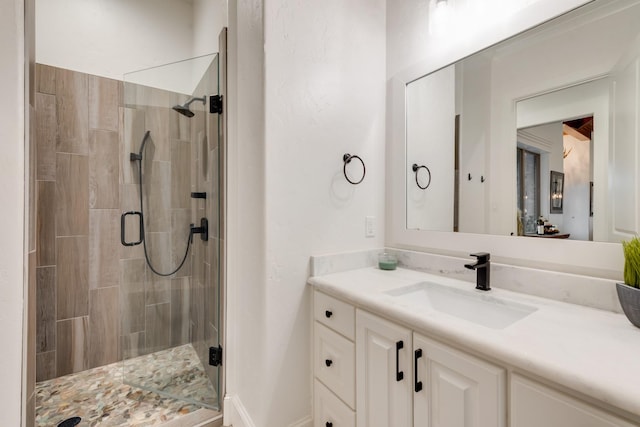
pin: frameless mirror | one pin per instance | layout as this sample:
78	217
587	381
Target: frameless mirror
542	127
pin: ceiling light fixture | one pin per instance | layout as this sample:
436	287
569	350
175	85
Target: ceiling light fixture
442	4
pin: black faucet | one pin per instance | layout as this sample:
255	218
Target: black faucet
483	267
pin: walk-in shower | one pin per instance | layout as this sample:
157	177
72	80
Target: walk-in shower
129	268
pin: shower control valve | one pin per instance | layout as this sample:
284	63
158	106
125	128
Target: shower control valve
203	230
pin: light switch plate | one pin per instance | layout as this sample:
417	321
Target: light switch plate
369	226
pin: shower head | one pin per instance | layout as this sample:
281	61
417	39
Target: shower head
184	108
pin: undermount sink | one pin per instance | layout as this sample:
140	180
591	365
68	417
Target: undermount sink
475	306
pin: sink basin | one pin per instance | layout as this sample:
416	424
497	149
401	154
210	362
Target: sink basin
478	307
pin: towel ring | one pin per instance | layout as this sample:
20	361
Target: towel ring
347	159
416	168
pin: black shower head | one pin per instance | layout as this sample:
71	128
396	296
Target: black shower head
184	108
185	111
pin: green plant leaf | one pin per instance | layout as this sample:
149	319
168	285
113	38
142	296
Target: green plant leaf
631	251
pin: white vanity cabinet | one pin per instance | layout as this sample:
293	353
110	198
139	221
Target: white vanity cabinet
455	389
333	362
404	379
373	372
534	405
383	372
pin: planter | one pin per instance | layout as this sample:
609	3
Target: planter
630	301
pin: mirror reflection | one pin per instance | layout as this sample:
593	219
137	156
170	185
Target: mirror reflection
534	137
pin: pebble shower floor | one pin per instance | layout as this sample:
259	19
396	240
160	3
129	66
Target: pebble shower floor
101	398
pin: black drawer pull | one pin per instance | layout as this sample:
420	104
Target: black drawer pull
328	424
328	313
417	385
328	362
399	373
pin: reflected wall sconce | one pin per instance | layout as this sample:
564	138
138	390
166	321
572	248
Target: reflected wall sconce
556	192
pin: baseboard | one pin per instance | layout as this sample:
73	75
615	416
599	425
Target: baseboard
199	418
235	414
304	422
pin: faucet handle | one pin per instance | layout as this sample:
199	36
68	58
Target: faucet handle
482	256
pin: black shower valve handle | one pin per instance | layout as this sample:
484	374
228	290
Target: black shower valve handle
203	230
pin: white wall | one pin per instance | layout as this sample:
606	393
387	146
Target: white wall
431	142
325	96
209	17
625	198
474	97
577	179
246	339
12	109
324	74
109	38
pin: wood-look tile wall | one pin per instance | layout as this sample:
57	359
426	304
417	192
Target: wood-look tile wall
96	300
77	152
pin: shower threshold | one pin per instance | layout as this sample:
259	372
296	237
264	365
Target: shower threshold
101	398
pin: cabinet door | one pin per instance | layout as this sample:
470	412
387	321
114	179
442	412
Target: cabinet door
534	405
383	373
454	389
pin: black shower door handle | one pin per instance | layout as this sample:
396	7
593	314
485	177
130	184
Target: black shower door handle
122	228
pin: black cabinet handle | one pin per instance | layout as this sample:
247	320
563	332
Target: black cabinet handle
328	313
417	385
328	362
328	424
399	373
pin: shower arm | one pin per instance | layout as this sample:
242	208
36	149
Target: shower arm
189	102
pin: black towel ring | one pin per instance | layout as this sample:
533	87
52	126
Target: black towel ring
416	168
347	159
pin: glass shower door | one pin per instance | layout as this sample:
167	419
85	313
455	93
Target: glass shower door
170	200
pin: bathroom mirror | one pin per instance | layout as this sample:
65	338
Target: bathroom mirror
493	133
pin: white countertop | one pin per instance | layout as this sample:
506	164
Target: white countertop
594	352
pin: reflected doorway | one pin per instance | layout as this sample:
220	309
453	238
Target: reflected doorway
545	153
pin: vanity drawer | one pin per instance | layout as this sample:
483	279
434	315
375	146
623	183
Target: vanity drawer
336	314
334	363
329	410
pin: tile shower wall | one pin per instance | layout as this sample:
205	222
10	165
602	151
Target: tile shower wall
96	300
77	134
